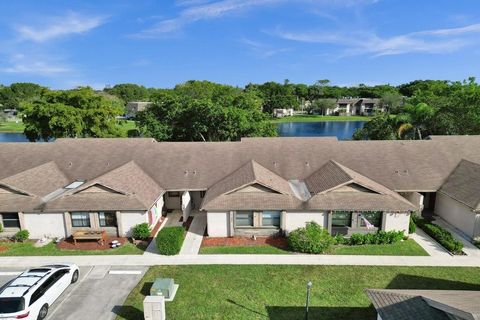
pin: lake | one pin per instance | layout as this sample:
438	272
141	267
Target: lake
343	130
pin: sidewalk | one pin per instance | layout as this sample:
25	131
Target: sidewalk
241	259
193	239
432	247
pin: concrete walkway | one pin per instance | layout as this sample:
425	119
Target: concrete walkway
193	239
241	259
432	247
172	219
468	247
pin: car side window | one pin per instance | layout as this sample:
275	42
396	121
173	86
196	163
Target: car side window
36	295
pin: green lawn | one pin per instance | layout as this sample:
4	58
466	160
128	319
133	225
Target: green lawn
127	124
403	248
278	292
27	249
318	118
11	126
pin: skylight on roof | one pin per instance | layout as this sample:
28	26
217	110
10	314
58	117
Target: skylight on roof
74	184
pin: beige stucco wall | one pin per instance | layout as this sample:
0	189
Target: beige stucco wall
297	219
415	198
458	214
396	221
44	224
218	224
130	219
186	205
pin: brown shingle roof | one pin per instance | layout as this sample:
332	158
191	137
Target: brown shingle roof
248	174
130	188
463	184
40	180
250	200
398	165
332	175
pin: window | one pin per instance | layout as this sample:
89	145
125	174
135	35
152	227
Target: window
342	219
174	194
10	220
271	218
244	219
81	219
374	217
107	219
11	305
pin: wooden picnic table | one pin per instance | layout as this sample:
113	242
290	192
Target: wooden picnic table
98	235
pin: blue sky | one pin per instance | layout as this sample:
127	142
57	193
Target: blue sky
62	44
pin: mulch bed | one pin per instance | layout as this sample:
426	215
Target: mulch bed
68	244
157	226
279	242
187	224
3	248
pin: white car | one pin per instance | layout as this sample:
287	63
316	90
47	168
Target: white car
30	295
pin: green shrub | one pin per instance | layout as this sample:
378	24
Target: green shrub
339	239
21	235
170	240
379	237
411	225
141	231
310	239
441	235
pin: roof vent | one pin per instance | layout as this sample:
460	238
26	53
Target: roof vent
185	172
275	163
307	164
194	171
70	164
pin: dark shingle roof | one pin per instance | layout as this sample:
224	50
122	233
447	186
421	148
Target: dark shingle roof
463	184
425	304
392	305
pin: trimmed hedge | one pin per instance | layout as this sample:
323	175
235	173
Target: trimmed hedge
21	235
379	237
411	225
441	235
170	240
310	239
141	231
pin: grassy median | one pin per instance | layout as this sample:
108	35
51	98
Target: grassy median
278	292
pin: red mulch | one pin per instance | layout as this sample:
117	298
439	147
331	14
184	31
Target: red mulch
2	248
157	226
279	242
68	244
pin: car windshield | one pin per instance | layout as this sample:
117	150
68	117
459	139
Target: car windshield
11	305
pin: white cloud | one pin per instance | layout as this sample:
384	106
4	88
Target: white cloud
34	65
71	23
357	43
262	50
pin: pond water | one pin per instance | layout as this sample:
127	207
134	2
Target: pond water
12	137
343	130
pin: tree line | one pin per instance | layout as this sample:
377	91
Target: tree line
207	111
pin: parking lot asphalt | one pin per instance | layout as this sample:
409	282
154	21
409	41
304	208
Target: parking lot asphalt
96	295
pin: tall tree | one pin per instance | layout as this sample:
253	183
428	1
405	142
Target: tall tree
71	113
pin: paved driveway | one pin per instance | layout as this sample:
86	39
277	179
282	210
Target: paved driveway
95	296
